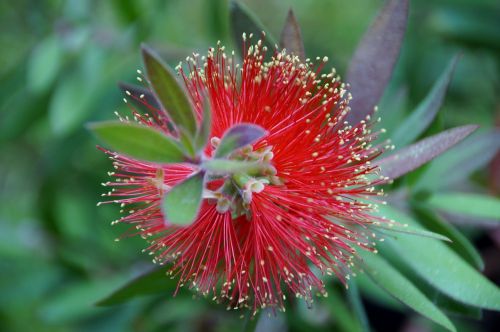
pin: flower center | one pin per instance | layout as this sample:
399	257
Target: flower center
237	190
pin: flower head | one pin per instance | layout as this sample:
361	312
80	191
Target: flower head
271	230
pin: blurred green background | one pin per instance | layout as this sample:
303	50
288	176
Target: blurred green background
59	64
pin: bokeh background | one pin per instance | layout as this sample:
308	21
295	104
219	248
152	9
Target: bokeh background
59	64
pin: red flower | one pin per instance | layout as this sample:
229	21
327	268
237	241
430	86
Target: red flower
261	236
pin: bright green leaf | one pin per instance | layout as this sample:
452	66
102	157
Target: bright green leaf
138	141
441	267
396	284
474	205
182	202
459	243
169	92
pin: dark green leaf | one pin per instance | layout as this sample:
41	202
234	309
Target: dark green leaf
169	92
458	163
182	202
291	36
244	21
474	205
459	243
396	284
154	282
138	141
368	77
454	307
426	111
237	137
417	154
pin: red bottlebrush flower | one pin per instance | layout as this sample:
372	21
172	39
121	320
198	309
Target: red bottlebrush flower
263	234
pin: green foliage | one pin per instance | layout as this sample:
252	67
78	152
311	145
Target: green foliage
60	63
474	205
392	281
138	141
182	202
169	92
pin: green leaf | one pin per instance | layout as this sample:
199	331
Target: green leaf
357	305
182	202
426	111
169	92
454	307
237	137
203	133
231	166
138	141
401	227
153	282
344	318
417	154
474	205
44	64
459	243
291	36
70	104
441	267
397	285
244	21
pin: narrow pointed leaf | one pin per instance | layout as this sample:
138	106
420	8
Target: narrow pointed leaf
237	137
442	268
337	306
397	285
153	282
169	92
224	166
459	243
474	205
291	36
135	95
374	59
357	306
426	111
406	229
205	128
458	163
415	155
244	21
182	202
138	141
